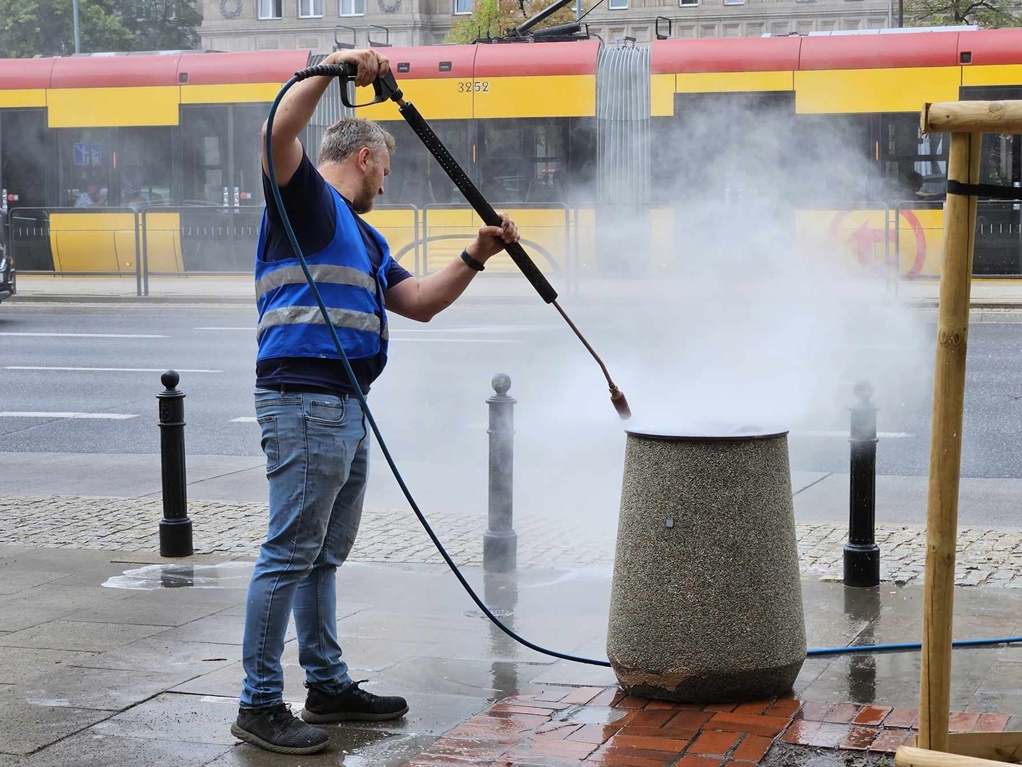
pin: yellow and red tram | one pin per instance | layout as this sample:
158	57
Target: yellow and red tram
105	159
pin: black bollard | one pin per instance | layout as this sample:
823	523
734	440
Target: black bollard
862	555
500	543
175	527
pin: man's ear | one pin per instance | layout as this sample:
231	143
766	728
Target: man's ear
365	154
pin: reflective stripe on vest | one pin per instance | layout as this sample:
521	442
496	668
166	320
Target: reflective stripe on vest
311	315
324	273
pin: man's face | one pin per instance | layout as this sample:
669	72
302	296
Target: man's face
376	168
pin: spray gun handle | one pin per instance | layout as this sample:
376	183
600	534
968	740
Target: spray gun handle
385	88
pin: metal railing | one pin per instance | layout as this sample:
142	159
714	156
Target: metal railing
44	230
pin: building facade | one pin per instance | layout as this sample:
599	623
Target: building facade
321	25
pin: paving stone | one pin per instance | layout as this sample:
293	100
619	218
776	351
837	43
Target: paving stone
89	749
986	556
79	636
27	728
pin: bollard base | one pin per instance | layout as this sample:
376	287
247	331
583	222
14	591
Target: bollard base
862	565
176	538
500	552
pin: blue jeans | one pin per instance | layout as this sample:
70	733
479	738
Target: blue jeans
317	463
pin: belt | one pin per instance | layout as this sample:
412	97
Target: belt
299	388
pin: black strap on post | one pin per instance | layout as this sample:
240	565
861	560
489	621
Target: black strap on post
990	191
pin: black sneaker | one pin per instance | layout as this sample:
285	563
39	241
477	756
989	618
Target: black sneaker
275	728
352	705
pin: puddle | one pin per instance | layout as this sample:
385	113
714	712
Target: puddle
228	575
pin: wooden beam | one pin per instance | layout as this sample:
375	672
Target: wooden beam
906	756
972	117
998	746
946	445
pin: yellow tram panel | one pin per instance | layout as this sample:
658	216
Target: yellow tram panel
230	94
844	91
435	98
866	240
543	96
24	98
113	107
93	242
397	225
163	238
734	82
545	233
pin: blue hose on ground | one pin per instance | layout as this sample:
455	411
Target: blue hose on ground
397	473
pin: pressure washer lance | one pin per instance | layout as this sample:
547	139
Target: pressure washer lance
386	88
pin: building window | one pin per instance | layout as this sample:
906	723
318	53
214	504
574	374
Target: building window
310	9
734	2
270	9
462	7
353	7
618	5
687	3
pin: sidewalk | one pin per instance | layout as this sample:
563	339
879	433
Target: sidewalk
988	295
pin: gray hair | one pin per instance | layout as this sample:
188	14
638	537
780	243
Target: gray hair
350	134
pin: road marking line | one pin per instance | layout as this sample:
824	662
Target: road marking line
880	434
245	419
109	416
111	370
84	335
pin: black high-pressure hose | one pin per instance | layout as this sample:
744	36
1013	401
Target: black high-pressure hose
386	88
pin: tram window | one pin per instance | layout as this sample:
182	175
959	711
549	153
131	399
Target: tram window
415	177
524	160
144	163
836	163
86	166
911	165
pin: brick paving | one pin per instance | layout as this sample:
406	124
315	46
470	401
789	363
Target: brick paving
986	557
604	727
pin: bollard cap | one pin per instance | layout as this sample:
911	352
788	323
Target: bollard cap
501	383
170	379
863	390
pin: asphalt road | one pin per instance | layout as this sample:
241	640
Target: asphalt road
83	379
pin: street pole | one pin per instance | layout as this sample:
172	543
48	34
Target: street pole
78	42
901	13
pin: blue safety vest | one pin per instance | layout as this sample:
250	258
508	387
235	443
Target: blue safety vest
290	322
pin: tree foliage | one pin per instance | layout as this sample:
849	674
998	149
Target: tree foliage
46	27
982	13
492	18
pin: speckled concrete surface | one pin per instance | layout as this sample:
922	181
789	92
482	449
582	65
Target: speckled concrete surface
706	602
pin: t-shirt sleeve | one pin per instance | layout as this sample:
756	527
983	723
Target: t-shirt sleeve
310	209
396	273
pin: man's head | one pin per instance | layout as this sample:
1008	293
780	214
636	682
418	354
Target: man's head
355	156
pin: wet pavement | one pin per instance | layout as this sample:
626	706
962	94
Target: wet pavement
113	658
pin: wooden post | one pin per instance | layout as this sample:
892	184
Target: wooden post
946	444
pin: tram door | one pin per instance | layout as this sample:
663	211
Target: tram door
998	250
27	174
222	186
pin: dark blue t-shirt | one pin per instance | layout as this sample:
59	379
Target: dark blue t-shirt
310	207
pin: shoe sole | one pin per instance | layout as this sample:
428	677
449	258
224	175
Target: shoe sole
314	718
255	740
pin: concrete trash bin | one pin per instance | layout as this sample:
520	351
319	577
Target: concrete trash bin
706	602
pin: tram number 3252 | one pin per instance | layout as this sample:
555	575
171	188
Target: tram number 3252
479	86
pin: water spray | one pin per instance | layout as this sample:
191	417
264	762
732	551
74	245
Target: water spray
386	89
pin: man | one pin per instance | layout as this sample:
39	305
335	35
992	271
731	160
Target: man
313	429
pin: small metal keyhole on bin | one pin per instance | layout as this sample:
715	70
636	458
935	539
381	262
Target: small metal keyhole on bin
670	523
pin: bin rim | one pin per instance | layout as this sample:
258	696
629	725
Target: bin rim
709	432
